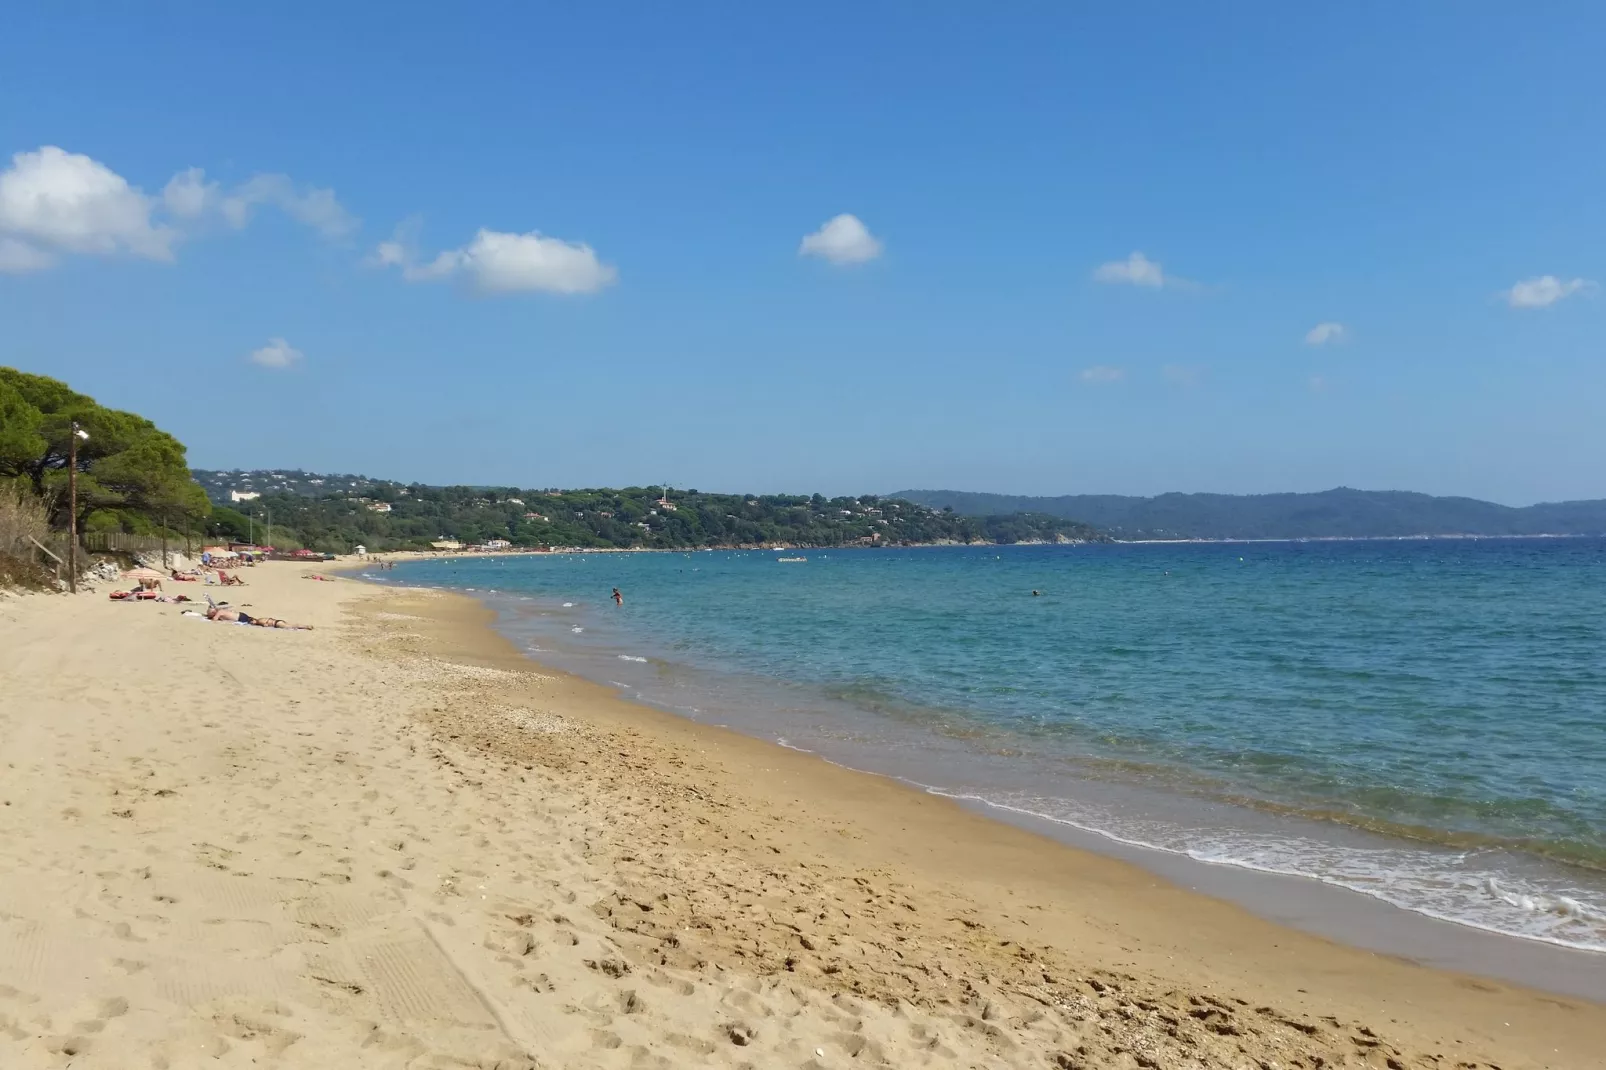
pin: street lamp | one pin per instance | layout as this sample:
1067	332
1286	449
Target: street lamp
72	502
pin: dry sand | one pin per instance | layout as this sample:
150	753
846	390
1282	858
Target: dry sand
391	842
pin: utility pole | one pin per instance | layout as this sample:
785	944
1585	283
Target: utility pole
74	433
72	507
164	538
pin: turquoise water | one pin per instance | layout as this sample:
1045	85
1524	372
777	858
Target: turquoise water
1420	721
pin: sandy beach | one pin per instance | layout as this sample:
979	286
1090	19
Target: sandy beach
392	841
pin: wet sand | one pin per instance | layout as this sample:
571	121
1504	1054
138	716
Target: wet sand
393	841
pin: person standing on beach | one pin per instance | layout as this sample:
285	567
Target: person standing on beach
618	599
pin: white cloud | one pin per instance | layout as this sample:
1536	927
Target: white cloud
499	262
1544	291
1102	373
53	201
188	195
842	240
19	258
1324	333
276	354
390	254
1135	270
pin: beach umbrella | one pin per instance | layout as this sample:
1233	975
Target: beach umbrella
143	574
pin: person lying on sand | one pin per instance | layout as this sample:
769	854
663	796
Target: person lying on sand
230	615
229	581
316	576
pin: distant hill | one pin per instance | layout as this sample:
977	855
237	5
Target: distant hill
219	483
1339	513
337	512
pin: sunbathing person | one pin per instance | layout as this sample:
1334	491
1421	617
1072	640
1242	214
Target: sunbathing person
229	615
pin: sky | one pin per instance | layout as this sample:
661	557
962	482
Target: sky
1029	248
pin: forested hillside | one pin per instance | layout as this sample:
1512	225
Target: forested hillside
1339	513
381	515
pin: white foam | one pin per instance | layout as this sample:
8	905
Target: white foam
1452	887
1564	906
631	657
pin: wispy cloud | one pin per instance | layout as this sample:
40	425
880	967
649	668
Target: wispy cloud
1182	375
1135	270
1102	373
189	195
277	354
1543	291
842	240
1325	334
18	257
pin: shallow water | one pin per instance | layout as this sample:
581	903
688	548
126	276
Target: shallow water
1423	722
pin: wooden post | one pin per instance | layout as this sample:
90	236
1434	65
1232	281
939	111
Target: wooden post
164	538
72	506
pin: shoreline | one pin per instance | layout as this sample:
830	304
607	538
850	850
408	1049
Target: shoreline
256	824
1168	830
1024	861
1308	903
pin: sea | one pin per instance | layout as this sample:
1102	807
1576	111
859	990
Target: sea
1419	722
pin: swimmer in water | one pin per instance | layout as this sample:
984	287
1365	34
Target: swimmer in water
618	599
1037	594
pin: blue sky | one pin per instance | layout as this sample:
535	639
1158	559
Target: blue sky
548	247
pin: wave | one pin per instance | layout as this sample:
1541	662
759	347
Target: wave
1559	905
1448	887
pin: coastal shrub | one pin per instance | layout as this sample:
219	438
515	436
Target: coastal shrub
23	516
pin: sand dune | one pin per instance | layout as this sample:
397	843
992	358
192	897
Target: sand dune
389	842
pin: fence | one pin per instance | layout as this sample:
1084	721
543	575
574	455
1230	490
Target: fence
109	542
54	546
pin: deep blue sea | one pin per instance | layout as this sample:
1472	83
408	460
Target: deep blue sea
1422	721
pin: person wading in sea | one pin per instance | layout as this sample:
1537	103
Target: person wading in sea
618	599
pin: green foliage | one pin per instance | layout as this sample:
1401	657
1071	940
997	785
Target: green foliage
622	518
20	438
228	524
131	474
